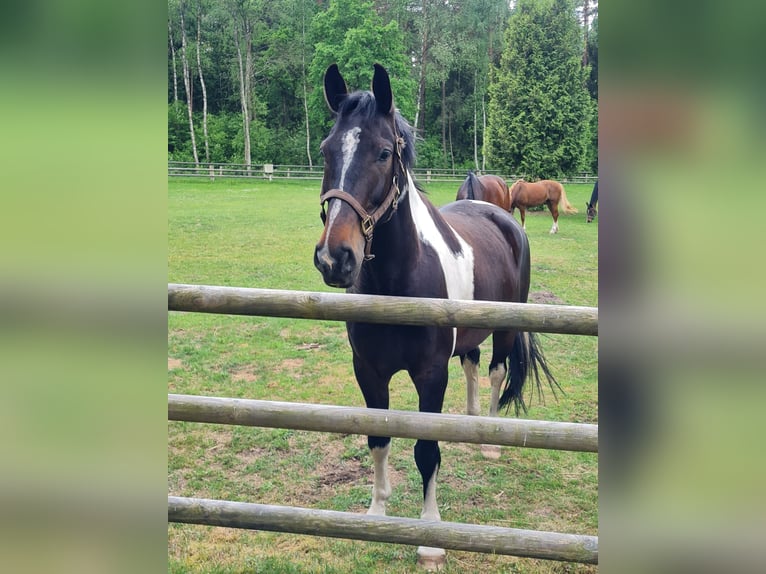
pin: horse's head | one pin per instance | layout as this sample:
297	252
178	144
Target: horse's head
365	156
592	212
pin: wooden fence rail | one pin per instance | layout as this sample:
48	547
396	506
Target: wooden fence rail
271	171
380	422
428	426
383	309
450	535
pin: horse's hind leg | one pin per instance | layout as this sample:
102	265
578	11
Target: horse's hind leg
523	213
502	343
470	364
555	214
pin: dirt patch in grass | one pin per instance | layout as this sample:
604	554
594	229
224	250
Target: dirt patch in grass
291	366
545	298
246	374
174	363
349	472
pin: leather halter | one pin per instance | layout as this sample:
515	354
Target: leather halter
369	220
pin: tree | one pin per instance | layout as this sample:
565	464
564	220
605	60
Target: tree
351	34
540	111
202	81
243	16
592	84
183	9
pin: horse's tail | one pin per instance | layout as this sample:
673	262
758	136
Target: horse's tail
564	202
472	182
526	359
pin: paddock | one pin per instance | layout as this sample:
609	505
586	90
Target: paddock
443	427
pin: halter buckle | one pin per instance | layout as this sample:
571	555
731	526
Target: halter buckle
367	226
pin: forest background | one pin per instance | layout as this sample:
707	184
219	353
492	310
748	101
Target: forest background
488	84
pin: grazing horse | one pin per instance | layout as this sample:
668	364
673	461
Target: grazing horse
491	188
591	205
547	191
382	236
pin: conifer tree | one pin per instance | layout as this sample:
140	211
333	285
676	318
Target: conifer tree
539	110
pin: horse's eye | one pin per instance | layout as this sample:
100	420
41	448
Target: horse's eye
384	155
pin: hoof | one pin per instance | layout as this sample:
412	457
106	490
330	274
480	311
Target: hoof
431	559
490	451
376	510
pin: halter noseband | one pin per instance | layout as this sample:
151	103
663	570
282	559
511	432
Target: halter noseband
369	220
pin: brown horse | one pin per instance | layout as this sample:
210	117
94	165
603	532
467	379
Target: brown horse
489	188
547	191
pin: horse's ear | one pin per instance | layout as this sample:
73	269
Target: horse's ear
335	90
381	87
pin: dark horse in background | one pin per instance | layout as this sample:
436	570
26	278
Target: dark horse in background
545	192
591	205
382	236
490	188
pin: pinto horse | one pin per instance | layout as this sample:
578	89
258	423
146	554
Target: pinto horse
491	188
382	236
591	205
551	193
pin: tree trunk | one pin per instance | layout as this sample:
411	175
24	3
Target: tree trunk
305	94
585	15
444	119
421	103
243	97
187	85
173	58
249	89
306	112
483	131
475	128
451	150
202	83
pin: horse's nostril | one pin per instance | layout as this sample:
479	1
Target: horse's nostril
346	260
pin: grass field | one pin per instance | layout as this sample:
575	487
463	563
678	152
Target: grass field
262	234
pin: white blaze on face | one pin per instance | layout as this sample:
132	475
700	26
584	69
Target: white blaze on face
350	143
457	268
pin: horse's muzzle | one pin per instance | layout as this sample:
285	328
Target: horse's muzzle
338	269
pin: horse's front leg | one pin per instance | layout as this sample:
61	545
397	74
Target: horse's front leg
375	390
431	384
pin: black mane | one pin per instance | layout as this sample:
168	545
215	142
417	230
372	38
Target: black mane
363	104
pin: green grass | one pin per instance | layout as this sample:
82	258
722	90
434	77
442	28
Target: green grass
262	234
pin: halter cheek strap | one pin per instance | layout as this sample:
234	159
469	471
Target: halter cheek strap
369	220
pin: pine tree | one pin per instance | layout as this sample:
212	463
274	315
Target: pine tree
539	111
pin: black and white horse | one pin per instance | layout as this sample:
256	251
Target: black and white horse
382	236
592	212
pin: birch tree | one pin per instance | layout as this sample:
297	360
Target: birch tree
242	12
182	9
171	42
202	81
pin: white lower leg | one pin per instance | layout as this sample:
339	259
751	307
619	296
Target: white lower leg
471	371
496	378
381	487
555	227
428	557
